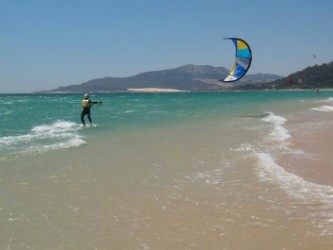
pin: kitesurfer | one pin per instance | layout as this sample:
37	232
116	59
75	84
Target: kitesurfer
86	105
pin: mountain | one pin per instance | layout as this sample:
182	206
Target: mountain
318	76
187	78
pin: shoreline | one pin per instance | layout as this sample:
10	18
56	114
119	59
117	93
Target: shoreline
315	162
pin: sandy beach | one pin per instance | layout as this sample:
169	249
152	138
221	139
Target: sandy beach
154	90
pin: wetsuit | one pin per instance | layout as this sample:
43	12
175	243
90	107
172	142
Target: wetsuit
86	105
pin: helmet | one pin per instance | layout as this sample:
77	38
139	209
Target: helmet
86	96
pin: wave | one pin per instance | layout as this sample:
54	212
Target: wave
6	113
315	198
272	171
279	133
328	100
312	200
58	135
294	185
324	108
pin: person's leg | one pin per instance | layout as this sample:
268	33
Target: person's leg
89	118
82	119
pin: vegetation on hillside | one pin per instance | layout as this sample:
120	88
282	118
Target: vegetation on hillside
318	76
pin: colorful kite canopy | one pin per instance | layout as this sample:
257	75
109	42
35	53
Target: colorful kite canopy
242	61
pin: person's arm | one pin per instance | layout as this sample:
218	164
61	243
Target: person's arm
95	102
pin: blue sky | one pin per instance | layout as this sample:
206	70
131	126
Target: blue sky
45	44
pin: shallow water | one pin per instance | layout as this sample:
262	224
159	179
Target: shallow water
162	171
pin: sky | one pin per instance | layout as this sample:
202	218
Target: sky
45	44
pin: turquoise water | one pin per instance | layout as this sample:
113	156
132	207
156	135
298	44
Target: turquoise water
20	113
24	116
165	171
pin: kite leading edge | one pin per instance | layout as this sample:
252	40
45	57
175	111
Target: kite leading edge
243	60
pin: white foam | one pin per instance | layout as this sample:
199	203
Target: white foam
57	127
74	142
317	198
8	141
243	148
6	113
328	100
279	133
130	111
324	108
292	184
212	177
58	135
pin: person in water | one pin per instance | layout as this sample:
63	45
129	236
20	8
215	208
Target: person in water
86	105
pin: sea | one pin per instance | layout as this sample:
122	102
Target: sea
212	170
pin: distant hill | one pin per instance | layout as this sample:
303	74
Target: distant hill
318	76
187	78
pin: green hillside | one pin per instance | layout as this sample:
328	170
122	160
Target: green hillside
318	76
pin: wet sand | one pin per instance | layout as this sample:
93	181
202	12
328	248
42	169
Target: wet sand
319	147
313	159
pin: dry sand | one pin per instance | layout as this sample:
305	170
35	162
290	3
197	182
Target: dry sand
154	90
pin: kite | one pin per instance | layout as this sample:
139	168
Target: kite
243	59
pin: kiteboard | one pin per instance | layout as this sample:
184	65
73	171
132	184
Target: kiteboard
90	126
